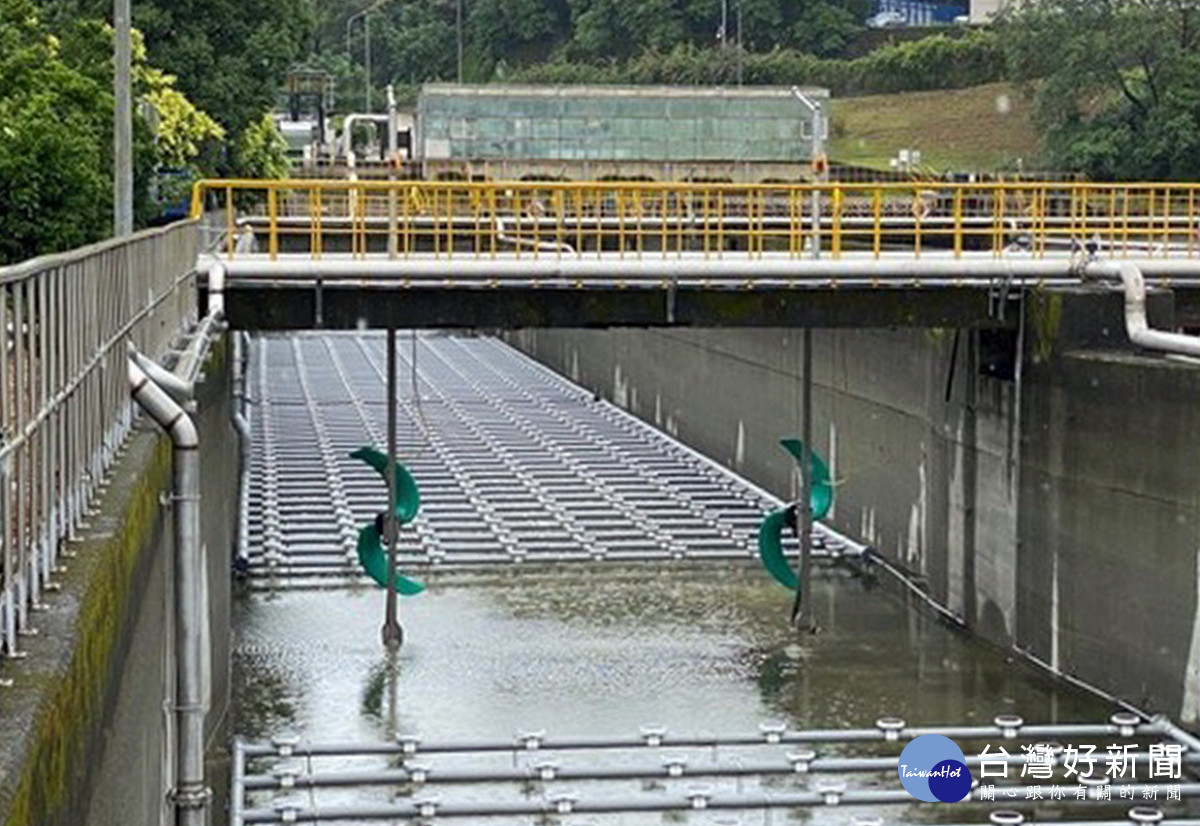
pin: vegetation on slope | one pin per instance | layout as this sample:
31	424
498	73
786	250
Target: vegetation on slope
982	129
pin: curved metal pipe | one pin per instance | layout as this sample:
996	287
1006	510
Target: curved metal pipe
348	128
189	795
179	389
216	289
545	246
1140	332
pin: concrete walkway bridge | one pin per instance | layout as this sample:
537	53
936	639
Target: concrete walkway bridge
336	254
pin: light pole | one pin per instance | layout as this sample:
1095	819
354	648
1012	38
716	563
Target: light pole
818	162
367	37
458	35
365	14
741	49
122	122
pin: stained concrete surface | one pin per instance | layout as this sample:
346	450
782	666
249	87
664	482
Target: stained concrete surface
973	479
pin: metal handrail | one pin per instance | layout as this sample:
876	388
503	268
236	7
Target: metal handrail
588	218
65	320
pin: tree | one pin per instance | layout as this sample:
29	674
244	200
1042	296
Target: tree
262	150
54	142
1117	82
230	56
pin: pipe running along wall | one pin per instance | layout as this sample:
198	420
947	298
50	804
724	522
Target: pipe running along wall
1136	325
162	394
189	795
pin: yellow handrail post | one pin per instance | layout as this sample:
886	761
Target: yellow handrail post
877	208
958	222
272	226
229	221
197	204
836	207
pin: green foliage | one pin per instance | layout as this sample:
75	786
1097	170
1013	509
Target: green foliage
56	112
936	62
414	41
230	56
55	138
262	150
1117	83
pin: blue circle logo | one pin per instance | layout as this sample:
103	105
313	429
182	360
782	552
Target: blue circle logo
932	768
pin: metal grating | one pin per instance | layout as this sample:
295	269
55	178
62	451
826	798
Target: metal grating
514	464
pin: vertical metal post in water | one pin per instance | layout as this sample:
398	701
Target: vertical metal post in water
802	606
393	635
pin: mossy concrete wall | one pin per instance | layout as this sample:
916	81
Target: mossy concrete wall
81	730
1059	513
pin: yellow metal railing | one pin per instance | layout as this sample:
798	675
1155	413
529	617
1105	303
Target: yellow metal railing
534	218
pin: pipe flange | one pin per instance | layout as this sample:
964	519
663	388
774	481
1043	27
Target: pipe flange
564	804
653	735
890	726
286	774
1145	814
531	740
675	765
1126	722
1006	817
285	744
699	796
287	811
773	732
1009	724
801	760
190	798
831	791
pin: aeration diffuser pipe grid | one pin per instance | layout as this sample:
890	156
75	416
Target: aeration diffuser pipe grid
826	791
889	729
673	766
698	798
545	474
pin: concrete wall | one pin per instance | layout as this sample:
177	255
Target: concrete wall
1057	513
81	732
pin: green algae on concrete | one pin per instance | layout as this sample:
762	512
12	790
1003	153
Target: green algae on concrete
55	710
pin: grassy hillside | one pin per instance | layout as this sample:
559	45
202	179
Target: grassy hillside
985	128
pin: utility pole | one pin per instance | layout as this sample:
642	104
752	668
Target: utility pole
367	54
724	23
122	121
458	31
821	174
740	46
